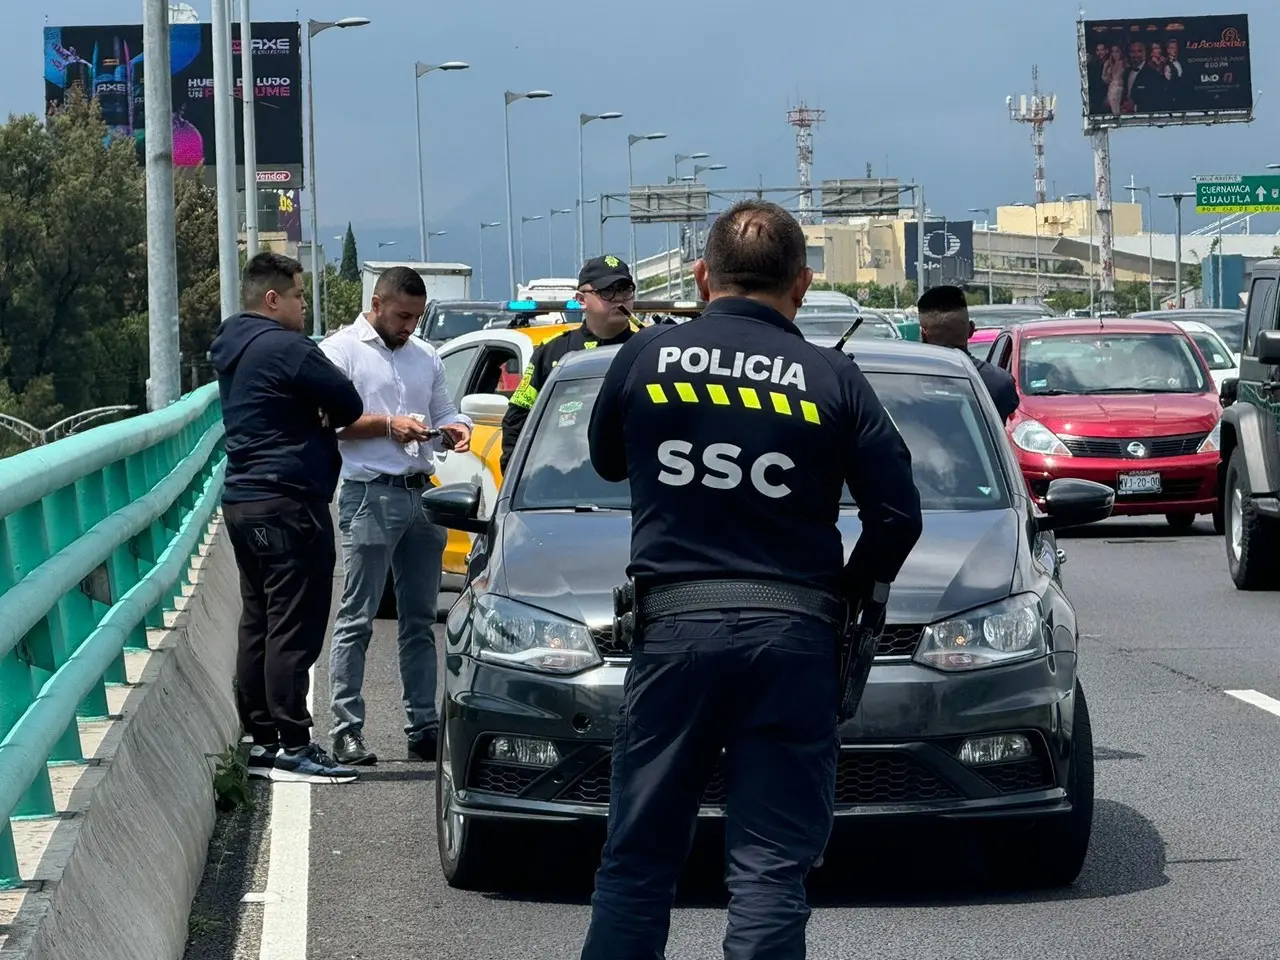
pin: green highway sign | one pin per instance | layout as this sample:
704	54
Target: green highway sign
1258	193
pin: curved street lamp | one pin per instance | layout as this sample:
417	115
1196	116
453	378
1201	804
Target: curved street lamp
583	120
632	140
420	70
509	98
483	227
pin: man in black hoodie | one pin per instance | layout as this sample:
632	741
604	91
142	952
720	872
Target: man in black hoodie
282	400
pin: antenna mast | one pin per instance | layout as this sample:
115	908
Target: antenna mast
804	120
1037	110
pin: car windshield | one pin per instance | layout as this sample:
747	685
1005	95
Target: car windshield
1229	326
952	451
1215	352
835	325
1005	316
450	322
1110	363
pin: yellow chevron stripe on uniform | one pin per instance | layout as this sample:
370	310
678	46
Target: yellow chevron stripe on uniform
718	394
656	393
750	398
780	403
686	392
810	410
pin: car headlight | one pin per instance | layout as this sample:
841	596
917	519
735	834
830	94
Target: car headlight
1213	442
1034	437
1005	632
517	635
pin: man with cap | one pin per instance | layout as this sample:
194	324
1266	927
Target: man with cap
607	294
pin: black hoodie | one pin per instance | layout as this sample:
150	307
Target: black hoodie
275	384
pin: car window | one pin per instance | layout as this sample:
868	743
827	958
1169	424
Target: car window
455	364
1111	363
449	322
1229	326
836	325
1261	313
498	371
1214	350
952	450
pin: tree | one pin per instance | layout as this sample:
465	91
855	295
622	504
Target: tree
350	259
340	299
1070	266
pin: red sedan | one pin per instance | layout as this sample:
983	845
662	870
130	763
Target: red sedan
1128	404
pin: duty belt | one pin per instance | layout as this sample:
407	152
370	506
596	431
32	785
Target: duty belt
410	481
719	596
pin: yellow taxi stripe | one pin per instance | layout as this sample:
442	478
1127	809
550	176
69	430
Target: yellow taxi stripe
810	410
749	397
686	392
780	403
656	393
718	394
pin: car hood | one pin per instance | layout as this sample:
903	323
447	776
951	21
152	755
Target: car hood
1125	415
569	563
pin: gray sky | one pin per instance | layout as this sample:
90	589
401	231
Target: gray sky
915	90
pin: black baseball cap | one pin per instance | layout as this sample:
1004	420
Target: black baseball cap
603	272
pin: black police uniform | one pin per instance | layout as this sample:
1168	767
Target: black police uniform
599	272
737	437
1000	385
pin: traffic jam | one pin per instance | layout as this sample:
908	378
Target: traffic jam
975	712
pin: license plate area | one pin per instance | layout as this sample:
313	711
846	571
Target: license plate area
1146	481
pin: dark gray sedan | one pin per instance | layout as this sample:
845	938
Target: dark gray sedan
973	710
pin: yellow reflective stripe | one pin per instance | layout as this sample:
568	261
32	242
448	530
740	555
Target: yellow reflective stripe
686	392
718	395
810	410
656	393
780	403
749	397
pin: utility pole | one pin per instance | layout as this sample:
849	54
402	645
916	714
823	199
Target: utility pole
164	384
1177	198
224	131
248	83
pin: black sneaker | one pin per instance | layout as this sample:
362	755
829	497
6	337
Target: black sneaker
424	748
310	764
262	758
349	748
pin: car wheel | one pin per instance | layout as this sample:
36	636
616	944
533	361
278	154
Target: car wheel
1181	521
468	847
1054	852
1253	559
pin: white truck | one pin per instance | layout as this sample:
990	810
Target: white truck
445	281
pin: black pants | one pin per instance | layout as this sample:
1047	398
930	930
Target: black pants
286	554
763	689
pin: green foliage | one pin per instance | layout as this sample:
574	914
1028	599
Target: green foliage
231	780
878	297
350	259
340	299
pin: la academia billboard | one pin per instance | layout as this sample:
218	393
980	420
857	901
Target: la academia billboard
109	64
1166	70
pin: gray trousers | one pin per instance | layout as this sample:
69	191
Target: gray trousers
384	528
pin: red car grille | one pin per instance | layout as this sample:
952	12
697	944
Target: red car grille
1183	445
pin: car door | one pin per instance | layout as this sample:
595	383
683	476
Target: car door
1260	316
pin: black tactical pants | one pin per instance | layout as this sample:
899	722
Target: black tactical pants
763	689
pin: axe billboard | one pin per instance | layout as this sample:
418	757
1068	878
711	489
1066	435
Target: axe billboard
948	250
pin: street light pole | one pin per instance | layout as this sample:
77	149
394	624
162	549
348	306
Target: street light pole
1151	256
632	140
990	280
224	131
314	27
523	221
1177	197
420	70
583	120
551	240
248	84
680	158
495	223
510	98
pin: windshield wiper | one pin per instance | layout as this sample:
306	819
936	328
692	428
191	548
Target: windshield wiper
1050	393
1135	390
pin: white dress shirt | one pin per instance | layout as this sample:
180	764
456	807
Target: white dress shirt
404	382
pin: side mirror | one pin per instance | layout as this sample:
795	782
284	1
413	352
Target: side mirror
455	506
487	408
1230	391
1267	347
1070	502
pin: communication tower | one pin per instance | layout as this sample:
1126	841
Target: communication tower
804	119
1036	110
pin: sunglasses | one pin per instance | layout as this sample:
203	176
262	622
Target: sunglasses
616	293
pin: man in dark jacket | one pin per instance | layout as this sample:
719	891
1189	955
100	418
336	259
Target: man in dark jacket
944	322
282	400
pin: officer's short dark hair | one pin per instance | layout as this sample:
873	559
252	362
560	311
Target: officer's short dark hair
265	272
754	247
400	282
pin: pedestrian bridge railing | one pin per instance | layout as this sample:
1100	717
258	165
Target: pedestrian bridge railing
96	536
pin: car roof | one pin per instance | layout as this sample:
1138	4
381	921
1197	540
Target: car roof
1076	326
1189	312
472	304
873	356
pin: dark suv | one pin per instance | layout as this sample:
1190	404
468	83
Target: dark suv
1250	466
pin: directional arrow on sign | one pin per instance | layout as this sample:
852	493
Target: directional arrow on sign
1262	194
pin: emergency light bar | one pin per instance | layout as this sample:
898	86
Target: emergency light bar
526	310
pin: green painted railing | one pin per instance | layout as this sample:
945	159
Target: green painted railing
96	536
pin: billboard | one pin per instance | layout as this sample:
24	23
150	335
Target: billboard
1156	71
948	250
674	203
860	198
109	64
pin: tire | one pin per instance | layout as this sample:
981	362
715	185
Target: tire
1052	853
469	848
1181	522
1252	540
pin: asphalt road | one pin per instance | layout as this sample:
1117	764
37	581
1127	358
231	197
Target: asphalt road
1184	861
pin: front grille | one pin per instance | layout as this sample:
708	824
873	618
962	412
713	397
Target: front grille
1034	773
502	778
898	640
1182	445
861	778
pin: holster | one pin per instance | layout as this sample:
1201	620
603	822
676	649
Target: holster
858	646
624	616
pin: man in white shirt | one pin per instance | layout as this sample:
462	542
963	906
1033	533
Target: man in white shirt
386	466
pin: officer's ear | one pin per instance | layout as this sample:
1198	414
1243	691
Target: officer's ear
972	328
801	286
700	279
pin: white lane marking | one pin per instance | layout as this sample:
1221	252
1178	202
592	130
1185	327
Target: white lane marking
284	913
1259	700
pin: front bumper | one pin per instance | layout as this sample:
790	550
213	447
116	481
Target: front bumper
1188	484
897	759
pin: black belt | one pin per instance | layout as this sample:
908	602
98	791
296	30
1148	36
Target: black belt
410	481
718	596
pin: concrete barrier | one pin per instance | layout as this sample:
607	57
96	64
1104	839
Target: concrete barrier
117	871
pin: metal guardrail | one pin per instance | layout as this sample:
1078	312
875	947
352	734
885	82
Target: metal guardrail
96	536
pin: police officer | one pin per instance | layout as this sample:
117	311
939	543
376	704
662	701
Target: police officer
944	321
737	437
607	294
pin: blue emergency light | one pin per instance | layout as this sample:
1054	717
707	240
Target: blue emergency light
522	304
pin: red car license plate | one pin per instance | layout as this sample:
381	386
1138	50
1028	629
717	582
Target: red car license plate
1148	482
